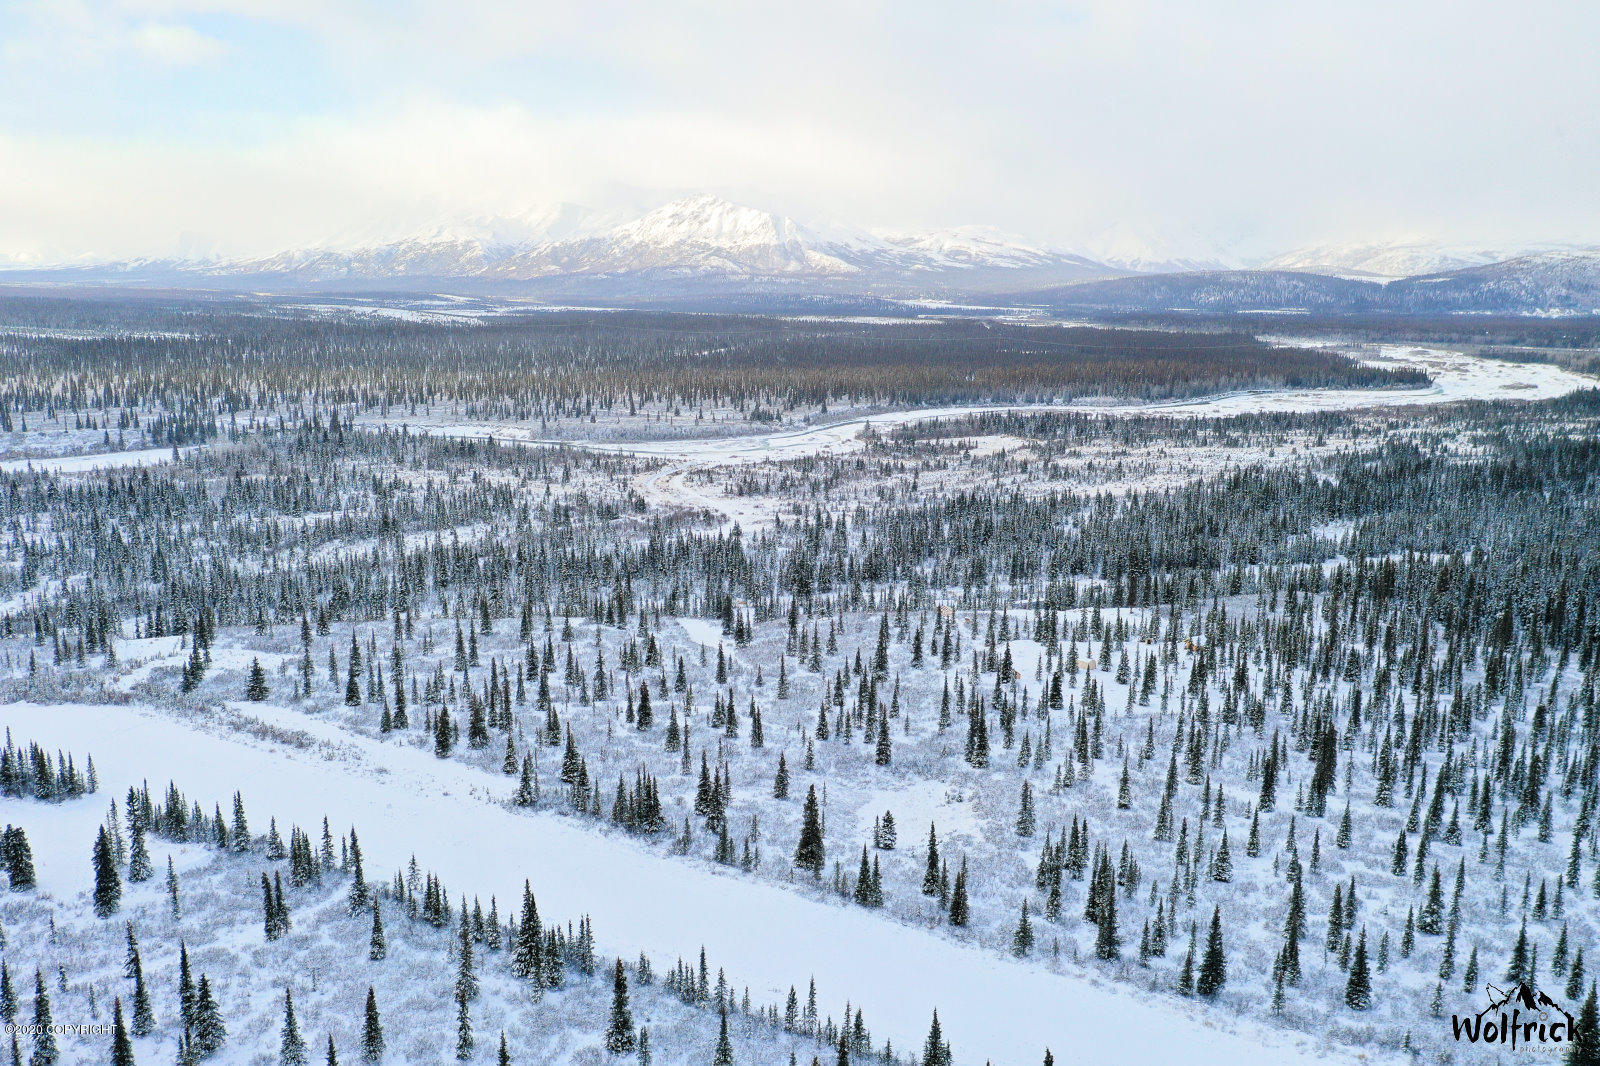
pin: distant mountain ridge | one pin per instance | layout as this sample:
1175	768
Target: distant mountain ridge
695	237
1551	283
708	247
1410	257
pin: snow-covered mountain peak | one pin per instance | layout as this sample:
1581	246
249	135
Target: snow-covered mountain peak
709	232
709	220
1128	246
971	246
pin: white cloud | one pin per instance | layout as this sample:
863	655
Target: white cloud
175	44
1286	123
334	174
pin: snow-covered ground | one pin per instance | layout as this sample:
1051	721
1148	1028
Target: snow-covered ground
79	464
1457	376
403	802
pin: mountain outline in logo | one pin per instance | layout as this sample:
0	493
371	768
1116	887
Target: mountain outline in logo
1521	1015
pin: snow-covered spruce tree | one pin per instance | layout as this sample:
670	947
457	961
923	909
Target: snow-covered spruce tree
107	882
256	689
1584	1050
209	1032
45	1051
1214	965
121	1045
18	859
809	853
935	1049
144	1017
359	897
138	856
378	942
1358	989
1022	939
464	1039
466	966
372	1042
723	1055
959	911
620	1037
291	1046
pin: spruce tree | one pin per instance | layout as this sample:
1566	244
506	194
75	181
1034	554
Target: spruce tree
358	898
1107	943
209	1032
291	1048
186	989
1213	965
107	882
8	995
780	781
464	1039
1518	970
443	736
270	909
724	1052
959	915
138	856
810	853
527	958
1584	1048
1358	989
121	1046
378	945
144	1017
619	1034
256	689
18	859
1022	939
372	1043
466	972
45	1052
935	1052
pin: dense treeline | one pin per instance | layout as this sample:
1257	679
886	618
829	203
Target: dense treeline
199	359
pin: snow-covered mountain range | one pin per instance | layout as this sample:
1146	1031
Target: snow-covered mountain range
1401	258
1412	257
706	244
698	237
695	237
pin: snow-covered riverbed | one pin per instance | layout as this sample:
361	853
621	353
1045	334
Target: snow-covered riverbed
1456	376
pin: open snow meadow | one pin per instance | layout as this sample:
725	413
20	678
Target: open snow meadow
642	687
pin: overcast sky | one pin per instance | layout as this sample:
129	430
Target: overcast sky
243	126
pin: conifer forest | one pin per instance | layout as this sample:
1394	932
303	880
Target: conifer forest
389	681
